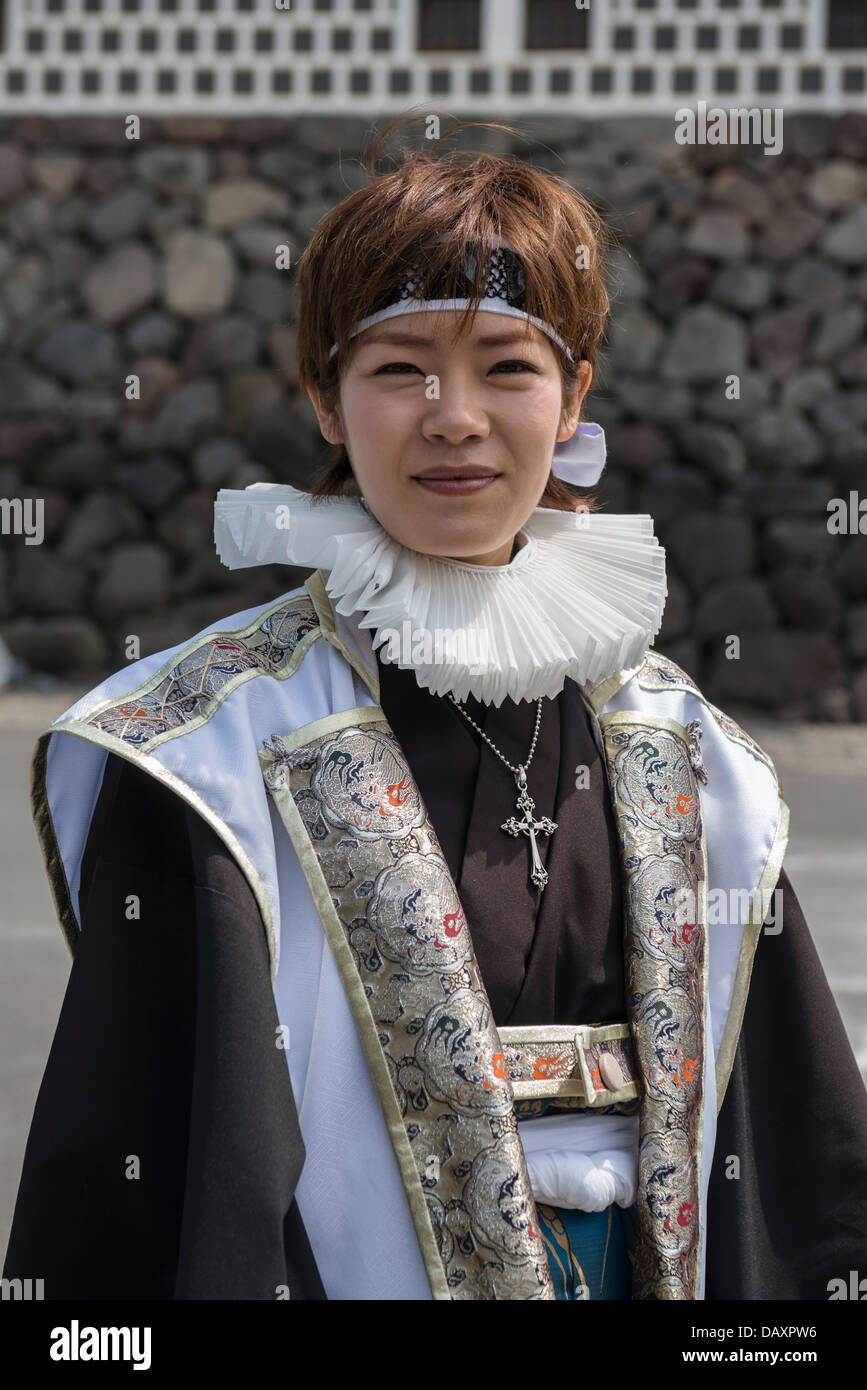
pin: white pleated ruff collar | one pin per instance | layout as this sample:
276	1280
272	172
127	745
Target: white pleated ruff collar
583	597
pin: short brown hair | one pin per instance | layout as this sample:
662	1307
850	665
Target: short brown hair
362	250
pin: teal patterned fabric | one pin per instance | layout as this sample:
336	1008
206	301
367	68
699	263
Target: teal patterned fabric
589	1252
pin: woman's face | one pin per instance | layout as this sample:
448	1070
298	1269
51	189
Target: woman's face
415	402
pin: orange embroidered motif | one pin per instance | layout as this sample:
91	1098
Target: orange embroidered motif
544	1067
393	798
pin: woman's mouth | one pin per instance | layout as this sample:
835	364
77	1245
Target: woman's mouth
458	487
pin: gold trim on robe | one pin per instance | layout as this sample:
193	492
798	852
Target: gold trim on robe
660	673
400	940
657	808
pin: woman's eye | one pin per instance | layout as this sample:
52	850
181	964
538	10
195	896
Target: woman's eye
389	366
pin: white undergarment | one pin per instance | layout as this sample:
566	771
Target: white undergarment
584	1162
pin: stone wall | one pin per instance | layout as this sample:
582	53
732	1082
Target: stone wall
156	257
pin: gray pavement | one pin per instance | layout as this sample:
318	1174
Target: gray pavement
823	771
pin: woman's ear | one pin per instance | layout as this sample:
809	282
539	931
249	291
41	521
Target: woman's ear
329	420
573	400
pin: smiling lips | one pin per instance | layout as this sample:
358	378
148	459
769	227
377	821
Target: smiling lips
456	481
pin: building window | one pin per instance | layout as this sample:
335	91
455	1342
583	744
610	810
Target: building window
166	81
263	41
359	81
302	40
726	79
520	81
242	81
749	36
451	24
186	40
225	41
683	80
812	79
72	41
440	81
847	24
341	40
791	36
149	40
204	81
480	81
768	80
110	41
665	37
707	36
130	7
642	80
16	82
560	81
400	81
127	81
853	80
320	83
90	81
380	40
281	81
551	24
34	41
601	80
623	37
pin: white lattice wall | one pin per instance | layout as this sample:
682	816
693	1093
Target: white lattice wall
361	56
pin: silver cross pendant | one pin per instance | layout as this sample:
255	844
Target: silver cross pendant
528	826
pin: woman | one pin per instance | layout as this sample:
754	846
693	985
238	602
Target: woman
442	829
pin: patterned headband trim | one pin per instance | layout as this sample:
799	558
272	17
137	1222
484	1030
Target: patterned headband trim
504	292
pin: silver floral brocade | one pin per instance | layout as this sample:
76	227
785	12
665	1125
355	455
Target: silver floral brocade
397	905
659	672
657	808
446	1065
188	690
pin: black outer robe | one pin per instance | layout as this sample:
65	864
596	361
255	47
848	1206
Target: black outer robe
158	1046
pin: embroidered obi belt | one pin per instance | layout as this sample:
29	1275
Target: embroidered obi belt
581	1067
